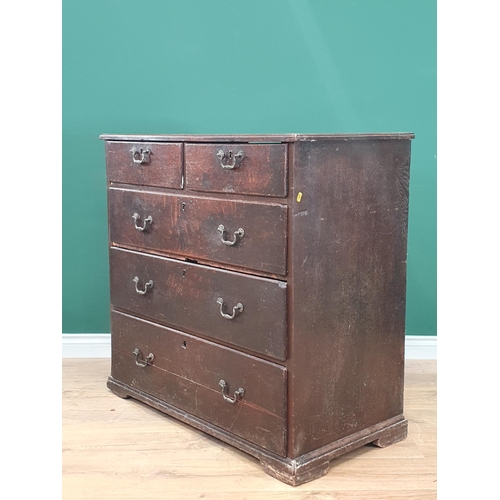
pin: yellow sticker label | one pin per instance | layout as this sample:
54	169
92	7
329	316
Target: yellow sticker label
299	197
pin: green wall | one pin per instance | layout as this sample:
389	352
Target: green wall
234	66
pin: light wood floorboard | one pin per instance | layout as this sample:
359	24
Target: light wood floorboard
121	449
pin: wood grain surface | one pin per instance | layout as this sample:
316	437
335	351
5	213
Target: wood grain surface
121	449
231	138
163	165
347	272
186	372
188	226
262	171
185	296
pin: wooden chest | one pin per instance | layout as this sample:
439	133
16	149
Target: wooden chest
258	288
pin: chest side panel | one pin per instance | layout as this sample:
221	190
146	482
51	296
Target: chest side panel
348	273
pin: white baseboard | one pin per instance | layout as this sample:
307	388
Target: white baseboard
421	347
86	345
98	345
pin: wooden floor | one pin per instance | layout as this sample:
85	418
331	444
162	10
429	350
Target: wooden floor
121	449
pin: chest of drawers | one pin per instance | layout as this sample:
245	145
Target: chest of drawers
258	288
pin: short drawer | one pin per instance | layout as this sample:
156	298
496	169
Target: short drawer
255	169
187	372
245	234
145	163
238	309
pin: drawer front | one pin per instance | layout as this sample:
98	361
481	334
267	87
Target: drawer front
198	227
145	163
186	371
257	169
202	300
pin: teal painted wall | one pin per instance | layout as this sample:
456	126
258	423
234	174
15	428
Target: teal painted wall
234	66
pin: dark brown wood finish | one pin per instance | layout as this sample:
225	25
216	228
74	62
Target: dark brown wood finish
188	226
256	138
323	272
185	296
348	258
290	471
186	372
261	171
162	165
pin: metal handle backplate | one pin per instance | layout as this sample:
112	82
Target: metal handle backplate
237	394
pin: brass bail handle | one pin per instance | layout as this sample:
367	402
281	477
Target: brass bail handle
147	220
237	394
140	156
234	160
144	361
238	234
238	308
147	286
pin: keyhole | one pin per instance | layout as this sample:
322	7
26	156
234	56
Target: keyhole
184	346
183	273
183	206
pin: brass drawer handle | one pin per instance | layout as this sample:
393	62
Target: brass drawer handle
140	155
147	220
237	308
143	362
237	394
147	287
237	235
234	161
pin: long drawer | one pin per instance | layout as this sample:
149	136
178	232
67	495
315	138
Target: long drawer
239	309
203	379
245	234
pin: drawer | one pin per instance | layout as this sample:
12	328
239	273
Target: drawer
257	169
186	372
145	163
201	228
202	300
